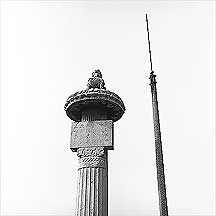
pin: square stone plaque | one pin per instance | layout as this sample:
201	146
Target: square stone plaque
92	133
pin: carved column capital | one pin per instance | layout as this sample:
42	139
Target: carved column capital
90	162
91	152
92	157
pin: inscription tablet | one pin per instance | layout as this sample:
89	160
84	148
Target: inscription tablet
92	133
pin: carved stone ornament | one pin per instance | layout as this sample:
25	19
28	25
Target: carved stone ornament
92	157
95	95
96	80
92	151
92	162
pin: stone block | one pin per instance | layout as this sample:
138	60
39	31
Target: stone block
92	133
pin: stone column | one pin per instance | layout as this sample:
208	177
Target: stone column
92	190
93	112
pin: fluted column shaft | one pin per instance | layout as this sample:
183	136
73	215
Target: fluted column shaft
92	189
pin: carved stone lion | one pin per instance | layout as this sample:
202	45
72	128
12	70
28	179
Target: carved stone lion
96	81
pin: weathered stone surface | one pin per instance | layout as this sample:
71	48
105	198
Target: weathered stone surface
96	80
98	97
92	196
91	152
93	162
92	133
95	95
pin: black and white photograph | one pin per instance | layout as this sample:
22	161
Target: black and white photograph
107	107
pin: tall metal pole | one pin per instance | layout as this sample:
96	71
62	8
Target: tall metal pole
158	143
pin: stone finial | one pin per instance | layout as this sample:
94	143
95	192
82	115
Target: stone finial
97	73
96	81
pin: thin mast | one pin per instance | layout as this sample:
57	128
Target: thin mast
158	144
149	45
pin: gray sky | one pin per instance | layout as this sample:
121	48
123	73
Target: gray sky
49	50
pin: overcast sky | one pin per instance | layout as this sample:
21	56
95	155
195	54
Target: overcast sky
49	50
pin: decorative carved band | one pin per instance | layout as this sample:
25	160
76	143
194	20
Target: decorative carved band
91	152
94	97
92	162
